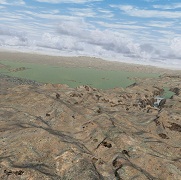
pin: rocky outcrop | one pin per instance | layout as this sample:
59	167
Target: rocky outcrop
17	69
56	132
176	90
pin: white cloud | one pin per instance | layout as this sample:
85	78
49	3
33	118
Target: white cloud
74	34
12	37
9	32
76	37
150	0
3	1
121	25
172	6
105	13
161	24
109	45
124	7
60	42
86	12
67	1
91	12
105	39
145	13
175	46
48	15
10	2
81	38
55	11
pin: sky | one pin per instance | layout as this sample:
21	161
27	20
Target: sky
133	31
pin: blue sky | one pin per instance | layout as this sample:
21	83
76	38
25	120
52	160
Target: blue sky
139	31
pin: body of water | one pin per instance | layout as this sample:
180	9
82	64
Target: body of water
72	76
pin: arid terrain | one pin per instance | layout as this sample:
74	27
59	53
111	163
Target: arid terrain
52	131
80	61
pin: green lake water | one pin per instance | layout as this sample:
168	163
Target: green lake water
73	77
167	94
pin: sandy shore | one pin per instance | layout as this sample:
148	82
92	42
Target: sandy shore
82	61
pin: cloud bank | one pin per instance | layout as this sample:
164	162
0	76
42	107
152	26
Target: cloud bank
147	13
125	33
11	2
67	1
77	38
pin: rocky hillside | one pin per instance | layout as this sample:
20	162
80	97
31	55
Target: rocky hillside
56	132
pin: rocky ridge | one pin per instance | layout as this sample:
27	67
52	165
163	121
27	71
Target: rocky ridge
56	132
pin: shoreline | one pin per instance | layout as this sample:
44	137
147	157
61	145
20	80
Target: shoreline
81	61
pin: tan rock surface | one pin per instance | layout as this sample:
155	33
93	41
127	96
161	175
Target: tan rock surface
57	132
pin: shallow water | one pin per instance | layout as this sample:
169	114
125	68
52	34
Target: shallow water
167	94
73	76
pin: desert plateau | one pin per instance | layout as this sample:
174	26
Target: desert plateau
54	131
